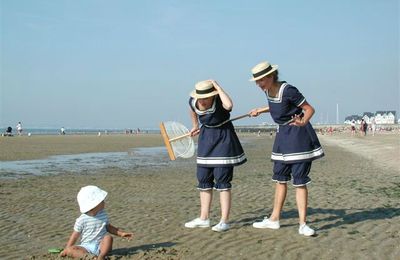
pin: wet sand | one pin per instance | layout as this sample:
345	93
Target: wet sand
354	203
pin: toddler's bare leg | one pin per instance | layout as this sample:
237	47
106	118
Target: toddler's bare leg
75	252
105	246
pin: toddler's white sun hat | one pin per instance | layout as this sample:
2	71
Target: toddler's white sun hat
89	197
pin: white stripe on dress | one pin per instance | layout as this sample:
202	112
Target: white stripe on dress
221	160
297	156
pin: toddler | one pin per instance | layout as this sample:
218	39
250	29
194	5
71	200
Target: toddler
92	226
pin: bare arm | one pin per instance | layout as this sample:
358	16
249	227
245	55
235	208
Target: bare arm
257	111
226	100
118	232
308	112
72	240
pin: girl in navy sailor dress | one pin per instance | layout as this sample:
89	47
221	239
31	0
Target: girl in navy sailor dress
218	145
296	144
219	150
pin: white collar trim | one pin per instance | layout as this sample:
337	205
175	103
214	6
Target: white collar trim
277	99
203	112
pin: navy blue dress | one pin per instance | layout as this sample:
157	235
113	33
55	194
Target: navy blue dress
293	144
218	145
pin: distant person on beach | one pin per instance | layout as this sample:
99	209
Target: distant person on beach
296	143
219	150
373	126
92	226
19	128
8	131
330	130
364	127
353	127
62	131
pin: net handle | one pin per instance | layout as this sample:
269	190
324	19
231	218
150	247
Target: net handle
179	137
265	109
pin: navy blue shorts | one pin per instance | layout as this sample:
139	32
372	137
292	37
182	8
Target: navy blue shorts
222	176
299	171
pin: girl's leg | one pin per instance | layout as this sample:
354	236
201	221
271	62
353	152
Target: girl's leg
301	200
226	201
105	246
205	202
280	196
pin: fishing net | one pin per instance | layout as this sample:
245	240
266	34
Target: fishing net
177	139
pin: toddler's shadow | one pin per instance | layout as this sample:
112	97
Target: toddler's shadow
162	247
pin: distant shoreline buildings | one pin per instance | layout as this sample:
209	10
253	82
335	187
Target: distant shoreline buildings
381	118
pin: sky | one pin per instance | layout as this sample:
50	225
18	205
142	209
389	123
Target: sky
132	64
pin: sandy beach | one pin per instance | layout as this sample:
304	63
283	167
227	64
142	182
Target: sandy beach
354	202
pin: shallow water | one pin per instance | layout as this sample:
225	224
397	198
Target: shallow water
87	162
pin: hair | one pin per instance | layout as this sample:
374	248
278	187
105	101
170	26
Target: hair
275	75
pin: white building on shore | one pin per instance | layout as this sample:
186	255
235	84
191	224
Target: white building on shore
385	117
381	118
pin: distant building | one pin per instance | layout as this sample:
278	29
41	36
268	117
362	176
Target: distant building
368	116
381	118
356	118
385	117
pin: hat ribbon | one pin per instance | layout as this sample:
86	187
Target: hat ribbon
264	71
206	91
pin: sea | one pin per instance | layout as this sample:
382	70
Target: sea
90	163
87	163
81	131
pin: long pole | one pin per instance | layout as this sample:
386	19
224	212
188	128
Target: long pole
337	114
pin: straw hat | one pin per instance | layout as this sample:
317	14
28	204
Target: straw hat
89	197
204	89
262	69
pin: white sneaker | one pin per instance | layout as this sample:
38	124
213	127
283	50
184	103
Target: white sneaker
221	226
306	230
197	222
266	223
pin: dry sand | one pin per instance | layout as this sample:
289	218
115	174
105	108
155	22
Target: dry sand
354	203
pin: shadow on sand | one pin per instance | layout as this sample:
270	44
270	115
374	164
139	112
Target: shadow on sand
350	216
340	217
159	248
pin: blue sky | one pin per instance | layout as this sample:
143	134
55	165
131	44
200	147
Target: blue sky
128	64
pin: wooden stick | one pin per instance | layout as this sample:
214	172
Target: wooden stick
167	142
246	115
179	137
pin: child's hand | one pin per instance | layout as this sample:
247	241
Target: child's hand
195	131
63	253
297	120
129	236
254	112
215	84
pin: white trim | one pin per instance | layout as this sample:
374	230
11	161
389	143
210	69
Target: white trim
297	156
204	112
281	182
300	185
221	160
301	103
277	99
204	189
222	189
